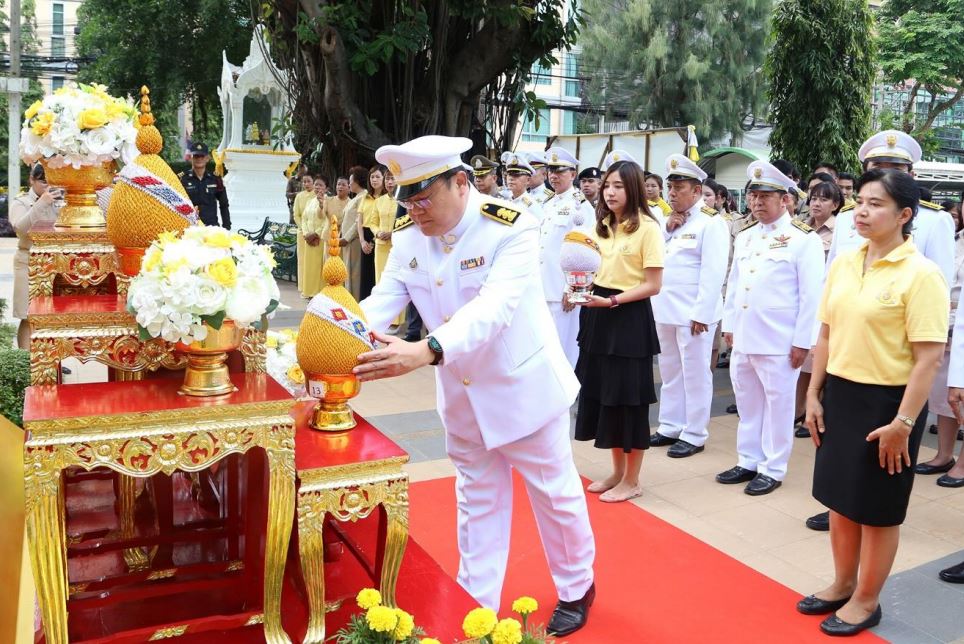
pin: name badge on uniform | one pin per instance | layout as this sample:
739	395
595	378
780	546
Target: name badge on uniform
780	242
469	264
413	264
688	236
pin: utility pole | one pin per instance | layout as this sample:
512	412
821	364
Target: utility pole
15	87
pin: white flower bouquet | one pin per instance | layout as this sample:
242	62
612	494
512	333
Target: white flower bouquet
282	361
77	126
198	280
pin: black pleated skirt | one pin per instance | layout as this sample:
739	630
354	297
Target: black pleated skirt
847	476
367	266
615	370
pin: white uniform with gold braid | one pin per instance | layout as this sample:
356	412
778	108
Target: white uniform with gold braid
504	386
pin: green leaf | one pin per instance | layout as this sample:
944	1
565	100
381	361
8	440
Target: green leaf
214	321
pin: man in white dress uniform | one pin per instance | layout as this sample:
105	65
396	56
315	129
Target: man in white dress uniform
772	296
518	170
688	309
469	263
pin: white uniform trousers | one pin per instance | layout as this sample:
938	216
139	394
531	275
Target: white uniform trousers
765	388
567	326
484	492
687	390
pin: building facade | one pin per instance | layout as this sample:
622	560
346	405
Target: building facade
56	32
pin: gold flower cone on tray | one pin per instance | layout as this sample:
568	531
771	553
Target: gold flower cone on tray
332	335
80	185
206	373
145	202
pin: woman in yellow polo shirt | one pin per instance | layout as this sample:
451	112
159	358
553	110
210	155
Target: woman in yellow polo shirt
617	334
884	324
381	221
367	214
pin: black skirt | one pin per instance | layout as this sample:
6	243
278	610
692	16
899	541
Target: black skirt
367	266
847	476
615	369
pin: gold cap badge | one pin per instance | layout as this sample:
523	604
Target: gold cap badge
615	157
555	157
758	173
478	163
891	140
673	163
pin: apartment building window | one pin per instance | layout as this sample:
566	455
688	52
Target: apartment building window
58	43
572	75
56	82
540	75
536	131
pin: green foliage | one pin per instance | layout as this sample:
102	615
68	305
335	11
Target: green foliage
14	379
820	68
34	93
172	46
357	631
921	43
672	64
29	41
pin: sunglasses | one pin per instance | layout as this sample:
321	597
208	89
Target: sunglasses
423	204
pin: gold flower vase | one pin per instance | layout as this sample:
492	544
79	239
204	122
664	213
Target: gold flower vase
332	413
81	184
206	373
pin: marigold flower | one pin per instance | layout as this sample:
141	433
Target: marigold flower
405	626
381	619
525	606
479	622
366	597
507	631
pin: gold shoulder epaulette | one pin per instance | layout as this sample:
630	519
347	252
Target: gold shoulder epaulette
850	207
796	223
527	200
580	198
403	222
548	192
500	213
931	204
750	225
706	210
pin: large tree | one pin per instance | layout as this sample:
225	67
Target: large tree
171	45
922	43
672	64
364	73
821	68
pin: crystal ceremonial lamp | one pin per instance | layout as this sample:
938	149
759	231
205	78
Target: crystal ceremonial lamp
579	260
332	335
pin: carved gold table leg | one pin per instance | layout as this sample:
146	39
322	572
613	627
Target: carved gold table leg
281	511
311	548
396	539
135	558
48	556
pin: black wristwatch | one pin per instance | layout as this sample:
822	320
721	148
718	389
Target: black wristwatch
436	349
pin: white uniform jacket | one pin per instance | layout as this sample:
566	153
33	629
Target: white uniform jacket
933	234
483	302
694	269
541	193
527	202
561	215
774	287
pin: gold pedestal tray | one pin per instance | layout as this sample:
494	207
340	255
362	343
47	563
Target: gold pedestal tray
73	262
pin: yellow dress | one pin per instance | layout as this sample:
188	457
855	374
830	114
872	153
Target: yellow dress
381	219
297	212
312	221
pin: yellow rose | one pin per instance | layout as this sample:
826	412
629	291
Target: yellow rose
151	260
525	605
91	119
479	622
116	110
224	272
238	240
42	125
33	109
381	619
218	238
295	374
271	342
405	626
367	597
173	267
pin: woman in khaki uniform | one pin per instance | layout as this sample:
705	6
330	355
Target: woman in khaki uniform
350	241
34	206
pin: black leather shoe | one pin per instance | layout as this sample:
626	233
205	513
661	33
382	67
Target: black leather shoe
682	449
801	432
761	484
949	481
819	522
569	617
811	605
732	409
735	475
658	440
927	469
836	627
65	371
932	429
954	574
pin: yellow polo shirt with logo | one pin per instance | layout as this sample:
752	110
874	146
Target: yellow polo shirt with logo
626	256
874	316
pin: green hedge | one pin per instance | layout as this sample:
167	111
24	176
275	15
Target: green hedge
14	378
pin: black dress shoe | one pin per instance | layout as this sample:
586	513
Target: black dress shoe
658	440
819	522
811	605
926	469
735	475
954	574
932	429
836	627
761	484
731	409
569	617
682	449
801	432
949	481
65	371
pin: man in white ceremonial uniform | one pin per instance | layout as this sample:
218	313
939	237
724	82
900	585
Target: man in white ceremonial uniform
469	264
518	171
955	396
932	231
538	182
566	210
688	309
772	296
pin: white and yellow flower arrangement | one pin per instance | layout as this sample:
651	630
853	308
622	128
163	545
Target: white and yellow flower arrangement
77	126
192	283
379	624
282	361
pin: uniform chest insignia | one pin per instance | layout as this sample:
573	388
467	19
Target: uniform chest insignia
706	210
469	264
413	264
403	222
931	205
799	225
500	213
781	242
526	200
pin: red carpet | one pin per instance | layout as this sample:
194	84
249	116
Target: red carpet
655	583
